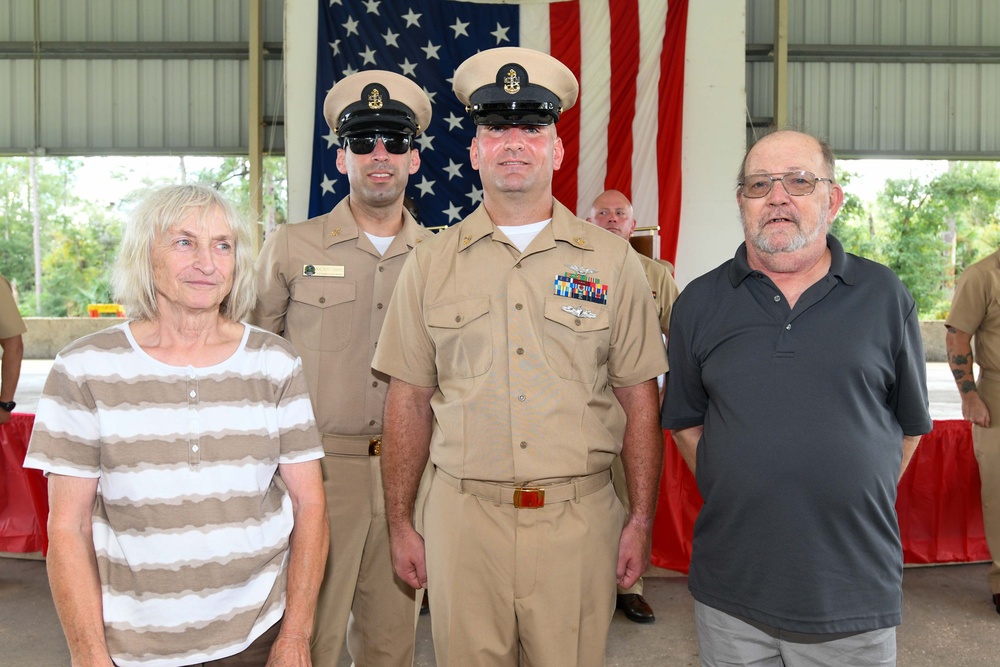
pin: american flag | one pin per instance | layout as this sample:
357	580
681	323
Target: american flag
624	133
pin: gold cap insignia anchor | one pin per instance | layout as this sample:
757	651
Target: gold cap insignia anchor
511	82
375	99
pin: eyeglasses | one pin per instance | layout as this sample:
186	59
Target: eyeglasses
796	183
395	143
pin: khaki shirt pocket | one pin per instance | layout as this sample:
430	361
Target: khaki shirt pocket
576	343
462	336
320	314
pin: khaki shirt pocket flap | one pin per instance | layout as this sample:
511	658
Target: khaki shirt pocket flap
457	314
323	293
577	316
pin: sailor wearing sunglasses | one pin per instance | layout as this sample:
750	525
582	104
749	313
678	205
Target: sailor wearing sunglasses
523	346
325	285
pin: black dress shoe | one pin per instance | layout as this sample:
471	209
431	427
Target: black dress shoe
996	601
636	608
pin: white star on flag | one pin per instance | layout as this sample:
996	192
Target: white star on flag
453	212
501	33
331	139
327	184
412	19
453	121
425	186
368	56
371	6
460	28
425	141
454	169
390	38
408	67
352	26
475	194
431	51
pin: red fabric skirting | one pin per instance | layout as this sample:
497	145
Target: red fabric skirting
939	508
24	501
940	514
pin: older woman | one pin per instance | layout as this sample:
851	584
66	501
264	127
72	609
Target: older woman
187	519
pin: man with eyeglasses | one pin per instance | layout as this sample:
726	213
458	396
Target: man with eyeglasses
797	395
613	212
324	284
523	349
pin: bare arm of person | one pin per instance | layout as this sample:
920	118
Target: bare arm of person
406	440
642	460
10	371
687	443
909	446
307	551
72	569
959	349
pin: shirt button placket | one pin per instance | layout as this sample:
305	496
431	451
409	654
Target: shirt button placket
194	421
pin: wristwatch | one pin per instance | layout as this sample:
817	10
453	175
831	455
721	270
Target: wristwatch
8	405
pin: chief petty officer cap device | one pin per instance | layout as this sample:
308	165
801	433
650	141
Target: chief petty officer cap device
376	100
515	86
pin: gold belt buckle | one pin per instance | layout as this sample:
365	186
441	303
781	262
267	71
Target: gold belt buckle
375	447
529	497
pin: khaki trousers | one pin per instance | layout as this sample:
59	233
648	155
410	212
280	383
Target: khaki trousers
986	443
529	585
361	595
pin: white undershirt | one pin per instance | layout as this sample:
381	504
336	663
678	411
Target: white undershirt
522	235
381	243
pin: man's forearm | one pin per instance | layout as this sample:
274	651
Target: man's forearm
909	447
642	449
958	345
687	440
406	438
10	367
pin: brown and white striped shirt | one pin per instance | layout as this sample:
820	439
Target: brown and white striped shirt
192	522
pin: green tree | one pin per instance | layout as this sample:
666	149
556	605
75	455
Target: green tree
854	226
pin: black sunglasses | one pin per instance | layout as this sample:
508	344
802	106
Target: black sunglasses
395	143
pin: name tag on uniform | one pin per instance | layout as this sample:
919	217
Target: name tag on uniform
324	270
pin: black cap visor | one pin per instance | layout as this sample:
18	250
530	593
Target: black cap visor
366	120
515	113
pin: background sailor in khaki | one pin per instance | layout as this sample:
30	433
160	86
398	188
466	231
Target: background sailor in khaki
11	329
975	315
325	285
613	211
523	346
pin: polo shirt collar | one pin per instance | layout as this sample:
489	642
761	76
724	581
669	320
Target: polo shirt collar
739	269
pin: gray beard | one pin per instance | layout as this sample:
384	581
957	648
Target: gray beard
764	245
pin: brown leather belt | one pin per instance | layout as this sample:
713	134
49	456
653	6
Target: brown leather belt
529	496
352	445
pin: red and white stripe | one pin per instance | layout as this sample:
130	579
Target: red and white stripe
625	132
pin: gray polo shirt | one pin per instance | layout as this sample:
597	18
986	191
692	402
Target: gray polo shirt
804	412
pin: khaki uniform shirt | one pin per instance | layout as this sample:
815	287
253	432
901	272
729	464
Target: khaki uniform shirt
664	288
11	323
975	309
333	317
523	348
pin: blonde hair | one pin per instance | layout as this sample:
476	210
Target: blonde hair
156	212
